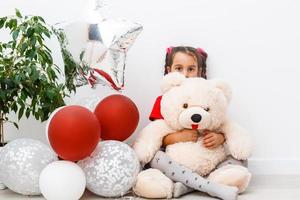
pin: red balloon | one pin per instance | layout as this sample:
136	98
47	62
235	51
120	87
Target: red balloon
118	116
74	132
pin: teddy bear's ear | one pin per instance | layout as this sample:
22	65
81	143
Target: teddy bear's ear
224	87
171	80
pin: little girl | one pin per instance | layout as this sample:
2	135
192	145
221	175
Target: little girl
191	62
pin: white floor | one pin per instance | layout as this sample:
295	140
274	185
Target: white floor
267	187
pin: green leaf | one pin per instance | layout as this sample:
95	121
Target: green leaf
15	35
29	32
47	33
35	18
41	19
17	79
40	40
34	74
50	93
23	96
81	55
20	102
33	103
24	47
18	13
32	53
27	113
36	115
38	30
33	40
21	111
16	125
14	107
41	113
47	49
12	24
43	77
2	95
7	24
2	21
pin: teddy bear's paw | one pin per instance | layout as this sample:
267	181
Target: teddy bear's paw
240	150
205	167
232	175
143	153
144	157
152	183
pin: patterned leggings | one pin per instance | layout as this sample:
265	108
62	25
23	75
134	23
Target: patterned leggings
179	173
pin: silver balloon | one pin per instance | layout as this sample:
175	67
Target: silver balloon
111	170
97	51
89	102
21	162
2	186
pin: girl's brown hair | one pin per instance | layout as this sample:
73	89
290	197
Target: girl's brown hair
199	54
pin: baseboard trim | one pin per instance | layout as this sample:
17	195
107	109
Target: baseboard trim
274	166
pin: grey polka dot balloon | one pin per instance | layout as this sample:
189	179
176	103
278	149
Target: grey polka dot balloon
21	162
111	170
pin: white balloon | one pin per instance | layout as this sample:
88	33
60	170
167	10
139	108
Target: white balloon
63	180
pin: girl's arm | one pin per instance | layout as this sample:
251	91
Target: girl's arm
185	135
211	139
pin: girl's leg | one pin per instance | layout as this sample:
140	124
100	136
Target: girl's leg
186	176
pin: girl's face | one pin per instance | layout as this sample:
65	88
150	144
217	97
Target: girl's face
185	64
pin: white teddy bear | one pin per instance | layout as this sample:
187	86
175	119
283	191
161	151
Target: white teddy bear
193	103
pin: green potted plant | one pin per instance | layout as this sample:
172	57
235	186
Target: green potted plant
28	76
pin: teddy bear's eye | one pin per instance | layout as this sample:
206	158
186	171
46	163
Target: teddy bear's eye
206	109
185	105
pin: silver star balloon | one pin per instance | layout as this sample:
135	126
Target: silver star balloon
96	52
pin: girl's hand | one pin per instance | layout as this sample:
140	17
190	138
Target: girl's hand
212	140
186	135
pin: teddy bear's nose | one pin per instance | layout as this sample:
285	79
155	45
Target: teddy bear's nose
196	118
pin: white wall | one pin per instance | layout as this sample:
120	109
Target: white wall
252	44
